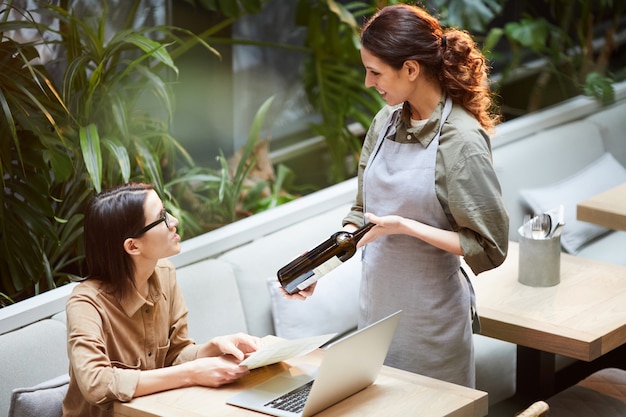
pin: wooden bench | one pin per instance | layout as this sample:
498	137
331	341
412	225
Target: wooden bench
601	394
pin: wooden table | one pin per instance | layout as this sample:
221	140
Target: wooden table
583	317
395	393
606	209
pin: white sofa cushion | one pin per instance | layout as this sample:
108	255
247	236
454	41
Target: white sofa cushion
609	248
495	367
599	176
543	158
45	399
25	357
333	308
612	124
256	261
210	289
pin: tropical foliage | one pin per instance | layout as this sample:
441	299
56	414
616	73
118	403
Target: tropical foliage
333	78
566	40
105	122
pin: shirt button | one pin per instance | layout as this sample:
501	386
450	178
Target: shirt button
147	311
408	137
149	353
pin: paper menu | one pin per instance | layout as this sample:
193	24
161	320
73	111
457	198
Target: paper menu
280	350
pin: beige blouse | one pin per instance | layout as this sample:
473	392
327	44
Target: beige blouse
110	342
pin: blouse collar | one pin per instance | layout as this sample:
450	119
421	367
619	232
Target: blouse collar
425	134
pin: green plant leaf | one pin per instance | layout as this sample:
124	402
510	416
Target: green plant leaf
92	155
60	163
342	13
200	178
153	48
532	33
253	135
492	39
149	165
118	150
10	122
471	15
600	87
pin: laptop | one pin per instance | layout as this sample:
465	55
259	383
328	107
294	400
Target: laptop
348	366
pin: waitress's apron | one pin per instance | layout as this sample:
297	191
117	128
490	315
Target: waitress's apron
434	337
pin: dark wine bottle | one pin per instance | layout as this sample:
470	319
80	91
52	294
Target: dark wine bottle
314	264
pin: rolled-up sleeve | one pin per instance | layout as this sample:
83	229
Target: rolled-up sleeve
474	201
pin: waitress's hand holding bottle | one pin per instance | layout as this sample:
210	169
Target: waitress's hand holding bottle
299	277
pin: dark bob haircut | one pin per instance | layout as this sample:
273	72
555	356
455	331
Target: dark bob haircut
111	217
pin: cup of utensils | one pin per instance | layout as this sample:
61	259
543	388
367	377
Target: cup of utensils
540	248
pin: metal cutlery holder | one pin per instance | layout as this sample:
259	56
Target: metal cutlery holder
539	261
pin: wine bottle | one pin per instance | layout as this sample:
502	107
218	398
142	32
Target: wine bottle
314	264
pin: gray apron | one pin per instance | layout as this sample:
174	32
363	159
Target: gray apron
434	337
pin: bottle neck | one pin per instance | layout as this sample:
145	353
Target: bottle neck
360	232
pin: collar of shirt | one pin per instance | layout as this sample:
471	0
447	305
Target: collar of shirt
405	133
135	301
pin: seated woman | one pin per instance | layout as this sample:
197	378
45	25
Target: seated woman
127	321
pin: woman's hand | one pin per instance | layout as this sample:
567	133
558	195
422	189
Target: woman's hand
216	371
397	225
385	225
300	295
208	371
236	345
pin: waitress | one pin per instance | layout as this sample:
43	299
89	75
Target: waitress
427	181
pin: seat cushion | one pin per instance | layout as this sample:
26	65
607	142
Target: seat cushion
212	297
254	262
543	158
45	399
333	308
612	124
495	367
30	355
607	248
604	173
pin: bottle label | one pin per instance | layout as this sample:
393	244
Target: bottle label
320	271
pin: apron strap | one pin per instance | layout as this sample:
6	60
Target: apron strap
473	312
447	109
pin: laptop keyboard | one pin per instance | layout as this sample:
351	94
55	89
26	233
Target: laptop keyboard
292	401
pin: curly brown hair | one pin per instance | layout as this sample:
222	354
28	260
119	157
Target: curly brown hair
403	32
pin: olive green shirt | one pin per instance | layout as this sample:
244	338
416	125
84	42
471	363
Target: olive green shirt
465	181
110	342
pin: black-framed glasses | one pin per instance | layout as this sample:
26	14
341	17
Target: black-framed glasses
164	217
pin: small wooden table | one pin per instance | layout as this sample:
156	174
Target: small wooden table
394	393
583	317
606	209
